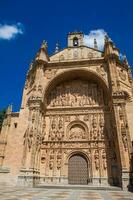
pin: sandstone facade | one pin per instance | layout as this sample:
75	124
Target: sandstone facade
75	122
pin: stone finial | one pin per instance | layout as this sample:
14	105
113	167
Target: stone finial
57	47
42	54
44	45
106	38
95	44
9	109
125	61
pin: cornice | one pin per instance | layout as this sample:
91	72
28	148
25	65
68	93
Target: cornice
67	63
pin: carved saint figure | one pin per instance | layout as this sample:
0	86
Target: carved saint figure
53	130
51	160
96	157
104	161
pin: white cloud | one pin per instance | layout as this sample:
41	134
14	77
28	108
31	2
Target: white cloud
8	32
99	35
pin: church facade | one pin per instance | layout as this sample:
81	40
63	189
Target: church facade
75	122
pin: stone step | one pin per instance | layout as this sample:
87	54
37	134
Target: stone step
79	187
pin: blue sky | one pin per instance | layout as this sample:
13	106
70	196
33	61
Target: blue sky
24	24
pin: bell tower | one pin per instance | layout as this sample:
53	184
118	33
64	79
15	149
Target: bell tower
75	39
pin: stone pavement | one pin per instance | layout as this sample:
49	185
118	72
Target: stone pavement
19	193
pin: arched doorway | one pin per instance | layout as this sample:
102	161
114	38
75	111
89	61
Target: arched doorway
77	170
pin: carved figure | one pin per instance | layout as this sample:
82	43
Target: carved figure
76	93
96	157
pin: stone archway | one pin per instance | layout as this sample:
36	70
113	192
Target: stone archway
78	170
77	117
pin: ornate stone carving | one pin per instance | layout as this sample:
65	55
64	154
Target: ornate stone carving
123	127
76	93
86	117
53	130
43	130
77	132
101	127
51	160
43	157
57	129
59	155
104	161
96	159
94	130
50	73
101	70
67	118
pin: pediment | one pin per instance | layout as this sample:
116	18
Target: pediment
77	53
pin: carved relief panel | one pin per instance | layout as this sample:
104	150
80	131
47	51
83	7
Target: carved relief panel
76	93
77	132
56	131
123	127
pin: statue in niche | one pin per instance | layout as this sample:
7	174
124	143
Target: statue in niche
33	117
94	121
51	164
52	99
123	129
89	96
43	157
124	139
30	138
39	90
43	130
94	130
51	159
101	127
58	164
101	121
121	113
96	157
104	161
53	130
59	156
63	100
60	131
38	140
95	134
67	95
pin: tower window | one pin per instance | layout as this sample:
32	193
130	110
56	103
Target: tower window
75	42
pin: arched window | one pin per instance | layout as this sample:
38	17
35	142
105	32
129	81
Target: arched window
75	42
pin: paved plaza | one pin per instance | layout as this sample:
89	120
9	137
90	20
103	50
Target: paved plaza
19	193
